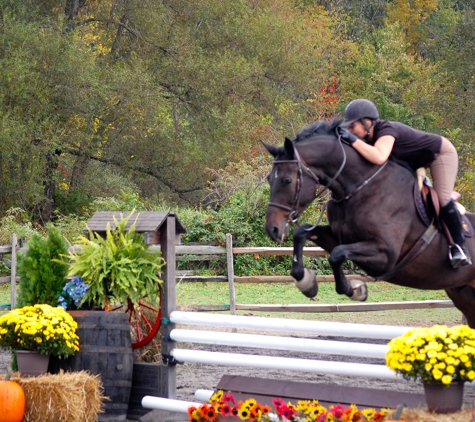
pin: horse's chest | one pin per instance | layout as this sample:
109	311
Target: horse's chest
349	231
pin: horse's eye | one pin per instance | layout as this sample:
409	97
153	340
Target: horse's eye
287	181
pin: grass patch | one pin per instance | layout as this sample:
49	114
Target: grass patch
287	293
274	293
214	293
5	297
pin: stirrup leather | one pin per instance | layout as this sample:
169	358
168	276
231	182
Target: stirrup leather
458	257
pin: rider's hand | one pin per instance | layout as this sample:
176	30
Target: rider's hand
347	136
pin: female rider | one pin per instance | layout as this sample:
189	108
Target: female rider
377	139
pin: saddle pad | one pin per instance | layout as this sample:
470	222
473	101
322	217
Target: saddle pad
467	227
421	206
423	213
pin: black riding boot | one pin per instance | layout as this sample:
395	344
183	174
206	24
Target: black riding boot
458	253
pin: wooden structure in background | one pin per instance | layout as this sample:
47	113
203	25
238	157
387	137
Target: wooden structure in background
147	222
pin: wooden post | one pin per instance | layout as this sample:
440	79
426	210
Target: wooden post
167	246
13	273
230	264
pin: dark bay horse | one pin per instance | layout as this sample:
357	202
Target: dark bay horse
372	218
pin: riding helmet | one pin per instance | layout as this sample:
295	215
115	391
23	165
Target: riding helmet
359	109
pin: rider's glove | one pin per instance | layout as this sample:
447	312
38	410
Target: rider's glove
347	136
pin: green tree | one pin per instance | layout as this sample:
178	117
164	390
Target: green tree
399	82
154	94
41	273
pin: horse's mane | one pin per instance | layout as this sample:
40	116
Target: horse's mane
321	127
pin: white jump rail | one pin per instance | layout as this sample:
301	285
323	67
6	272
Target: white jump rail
283	343
287	364
291	344
170	405
324	328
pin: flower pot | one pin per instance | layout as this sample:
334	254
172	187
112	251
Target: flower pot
444	399
31	363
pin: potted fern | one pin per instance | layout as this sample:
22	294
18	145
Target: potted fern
119	268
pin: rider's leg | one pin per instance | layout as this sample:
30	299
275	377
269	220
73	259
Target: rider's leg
444	172
459	255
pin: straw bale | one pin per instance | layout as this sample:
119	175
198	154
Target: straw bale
423	415
63	397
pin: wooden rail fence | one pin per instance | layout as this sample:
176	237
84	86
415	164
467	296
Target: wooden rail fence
208	251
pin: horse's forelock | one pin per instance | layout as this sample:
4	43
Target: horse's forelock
321	127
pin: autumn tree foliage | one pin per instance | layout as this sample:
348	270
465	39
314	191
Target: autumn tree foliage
109	97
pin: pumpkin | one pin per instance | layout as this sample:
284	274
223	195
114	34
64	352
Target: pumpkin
12	400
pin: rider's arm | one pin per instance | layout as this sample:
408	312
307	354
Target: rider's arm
377	154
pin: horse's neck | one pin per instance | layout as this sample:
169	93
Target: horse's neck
360	175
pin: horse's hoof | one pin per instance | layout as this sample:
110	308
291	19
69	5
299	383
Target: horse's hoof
360	291
308	284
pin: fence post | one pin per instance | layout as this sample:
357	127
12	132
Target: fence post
230	265
13	273
167	246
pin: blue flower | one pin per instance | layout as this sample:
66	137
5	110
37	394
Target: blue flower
74	292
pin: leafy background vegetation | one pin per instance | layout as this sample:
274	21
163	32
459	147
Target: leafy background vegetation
122	104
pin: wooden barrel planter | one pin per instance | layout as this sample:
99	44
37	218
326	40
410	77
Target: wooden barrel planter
105	349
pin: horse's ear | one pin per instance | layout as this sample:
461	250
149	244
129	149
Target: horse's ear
271	148
289	147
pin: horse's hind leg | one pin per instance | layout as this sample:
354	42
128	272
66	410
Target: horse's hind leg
464	300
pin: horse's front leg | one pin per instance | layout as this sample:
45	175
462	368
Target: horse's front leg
304	278
367	253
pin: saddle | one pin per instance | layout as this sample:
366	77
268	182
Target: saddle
428	207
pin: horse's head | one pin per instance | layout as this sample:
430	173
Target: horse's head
289	195
313	158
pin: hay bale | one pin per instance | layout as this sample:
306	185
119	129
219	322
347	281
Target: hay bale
67	396
423	415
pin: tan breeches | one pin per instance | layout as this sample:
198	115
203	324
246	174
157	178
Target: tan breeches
444	171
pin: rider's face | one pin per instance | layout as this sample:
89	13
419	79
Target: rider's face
358	129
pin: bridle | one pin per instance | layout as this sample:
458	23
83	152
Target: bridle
294	213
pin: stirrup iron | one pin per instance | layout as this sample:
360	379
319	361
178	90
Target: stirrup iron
459	258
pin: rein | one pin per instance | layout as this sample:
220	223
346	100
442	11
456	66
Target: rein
294	213
360	186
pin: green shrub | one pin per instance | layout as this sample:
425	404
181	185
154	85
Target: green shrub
42	270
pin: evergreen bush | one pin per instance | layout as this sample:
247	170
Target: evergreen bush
42	270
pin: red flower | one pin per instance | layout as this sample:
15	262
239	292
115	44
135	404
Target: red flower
287	412
225	410
228	398
278	402
337	411
209	413
265	409
322	417
190	410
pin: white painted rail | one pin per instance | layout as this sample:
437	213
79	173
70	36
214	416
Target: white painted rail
291	344
290	364
170	405
323	328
